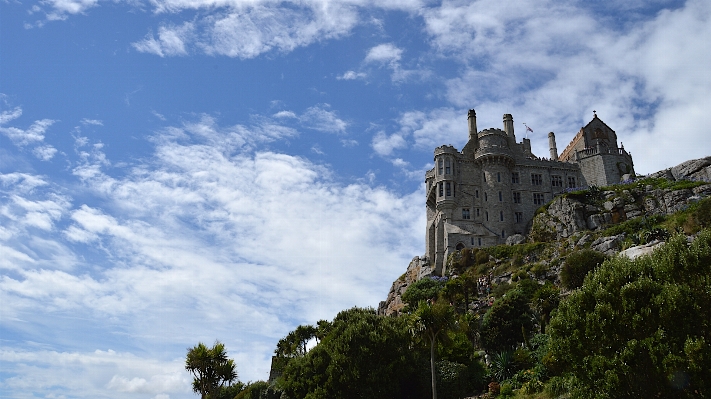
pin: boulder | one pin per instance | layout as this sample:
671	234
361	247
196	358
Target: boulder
515	239
640	250
695	168
608	245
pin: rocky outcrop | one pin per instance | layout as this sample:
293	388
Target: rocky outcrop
417	269
567	215
695	169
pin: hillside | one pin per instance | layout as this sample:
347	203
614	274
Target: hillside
632	217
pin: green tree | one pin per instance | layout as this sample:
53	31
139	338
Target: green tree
642	328
433	321
507	320
422	290
362	355
545	300
578	265
211	369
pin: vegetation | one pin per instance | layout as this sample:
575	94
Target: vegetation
578	265
640	328
621	328
211	369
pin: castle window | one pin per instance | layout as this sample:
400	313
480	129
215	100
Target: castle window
472	240
556	181
514	177
487	215
519	217
536	179
449	189
571	182
440	166
503	234
486	196
538	198
479	241
501	198
484	177
501	216
477	193
498	177
477	212
440	189
517	197
447	167
465	213
454	189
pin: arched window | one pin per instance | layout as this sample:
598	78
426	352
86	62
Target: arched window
448	188
460	246
503	234
440	166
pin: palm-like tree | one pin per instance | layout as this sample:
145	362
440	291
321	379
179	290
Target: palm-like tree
432	321
211	369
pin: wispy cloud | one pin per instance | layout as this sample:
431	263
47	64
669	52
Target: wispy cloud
319	117
171	40
210	236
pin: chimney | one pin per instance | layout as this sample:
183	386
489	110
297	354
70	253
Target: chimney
551	144
509	128
471	117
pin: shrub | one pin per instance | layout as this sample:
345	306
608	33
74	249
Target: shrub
481	257
578	265
642	328
422	290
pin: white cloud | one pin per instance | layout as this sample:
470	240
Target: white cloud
171	40
352	75
386	53
206	239
550	64
92	374
95	122
45	152
384	145
60	8
7	116
33	134
322	119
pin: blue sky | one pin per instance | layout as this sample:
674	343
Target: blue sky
176	171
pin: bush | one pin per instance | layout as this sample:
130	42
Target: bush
578	265
642	328
422	290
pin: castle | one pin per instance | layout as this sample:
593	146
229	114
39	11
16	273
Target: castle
492	188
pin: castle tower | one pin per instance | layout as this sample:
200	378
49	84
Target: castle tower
551	144
495	159
446	194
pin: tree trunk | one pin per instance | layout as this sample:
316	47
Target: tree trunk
432	366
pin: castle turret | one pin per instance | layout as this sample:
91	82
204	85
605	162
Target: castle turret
509	127
551	144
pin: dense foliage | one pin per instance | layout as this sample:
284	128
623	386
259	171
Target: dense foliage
362	356
578	265
640	328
